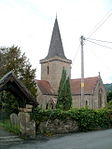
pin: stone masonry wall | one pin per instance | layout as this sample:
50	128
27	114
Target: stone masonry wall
58	126
55	72
88	101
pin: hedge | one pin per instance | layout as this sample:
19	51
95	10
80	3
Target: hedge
87	119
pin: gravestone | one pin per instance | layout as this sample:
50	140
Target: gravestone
14	119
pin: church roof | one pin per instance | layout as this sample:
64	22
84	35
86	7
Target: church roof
89	85
44	87
56	46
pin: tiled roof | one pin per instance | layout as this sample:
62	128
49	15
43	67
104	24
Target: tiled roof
56	46
89	85
45	87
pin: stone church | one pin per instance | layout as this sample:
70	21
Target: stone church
51	71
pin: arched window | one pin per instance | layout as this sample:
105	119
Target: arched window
86	103
100	98
47	69
47	106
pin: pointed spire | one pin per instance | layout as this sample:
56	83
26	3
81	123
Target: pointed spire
56	46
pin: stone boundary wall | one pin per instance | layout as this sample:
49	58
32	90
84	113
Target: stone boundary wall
58	126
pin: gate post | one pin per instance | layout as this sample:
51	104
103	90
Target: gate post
27	126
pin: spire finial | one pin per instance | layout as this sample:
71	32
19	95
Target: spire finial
56	15
99	74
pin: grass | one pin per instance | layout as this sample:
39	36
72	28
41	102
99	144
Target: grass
9	127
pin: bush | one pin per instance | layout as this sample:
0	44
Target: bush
87	119
109	105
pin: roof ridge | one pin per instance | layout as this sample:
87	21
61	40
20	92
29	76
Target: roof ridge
86	78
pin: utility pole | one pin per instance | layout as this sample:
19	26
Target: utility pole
82	72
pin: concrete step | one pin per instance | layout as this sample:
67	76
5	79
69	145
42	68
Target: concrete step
5	139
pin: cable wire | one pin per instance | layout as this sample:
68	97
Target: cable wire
98	40
99	44
101	22
76	53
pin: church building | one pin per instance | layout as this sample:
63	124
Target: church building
51	71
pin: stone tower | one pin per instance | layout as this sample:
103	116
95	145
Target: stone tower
53	64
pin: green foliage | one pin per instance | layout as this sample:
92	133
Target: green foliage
7	125
87	119
108	87
109	105
44	115
64	99
11	58
8	103
109	96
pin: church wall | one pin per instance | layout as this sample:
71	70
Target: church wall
88	101
43	100
76	101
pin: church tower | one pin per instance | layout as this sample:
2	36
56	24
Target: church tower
53	64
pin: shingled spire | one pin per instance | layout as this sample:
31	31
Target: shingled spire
56	46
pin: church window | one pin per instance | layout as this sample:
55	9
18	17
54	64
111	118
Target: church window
86	103
100	98
47	69
47	106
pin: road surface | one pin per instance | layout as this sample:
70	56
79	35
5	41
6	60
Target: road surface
90	140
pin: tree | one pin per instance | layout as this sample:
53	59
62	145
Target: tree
109	96
11	58
64	99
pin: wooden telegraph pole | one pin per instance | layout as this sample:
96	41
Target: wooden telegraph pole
82	72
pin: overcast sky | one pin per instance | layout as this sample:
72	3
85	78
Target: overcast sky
29	23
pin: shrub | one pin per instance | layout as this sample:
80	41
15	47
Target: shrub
87	119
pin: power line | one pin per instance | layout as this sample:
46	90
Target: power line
101	22
99	44
76	53
99	40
